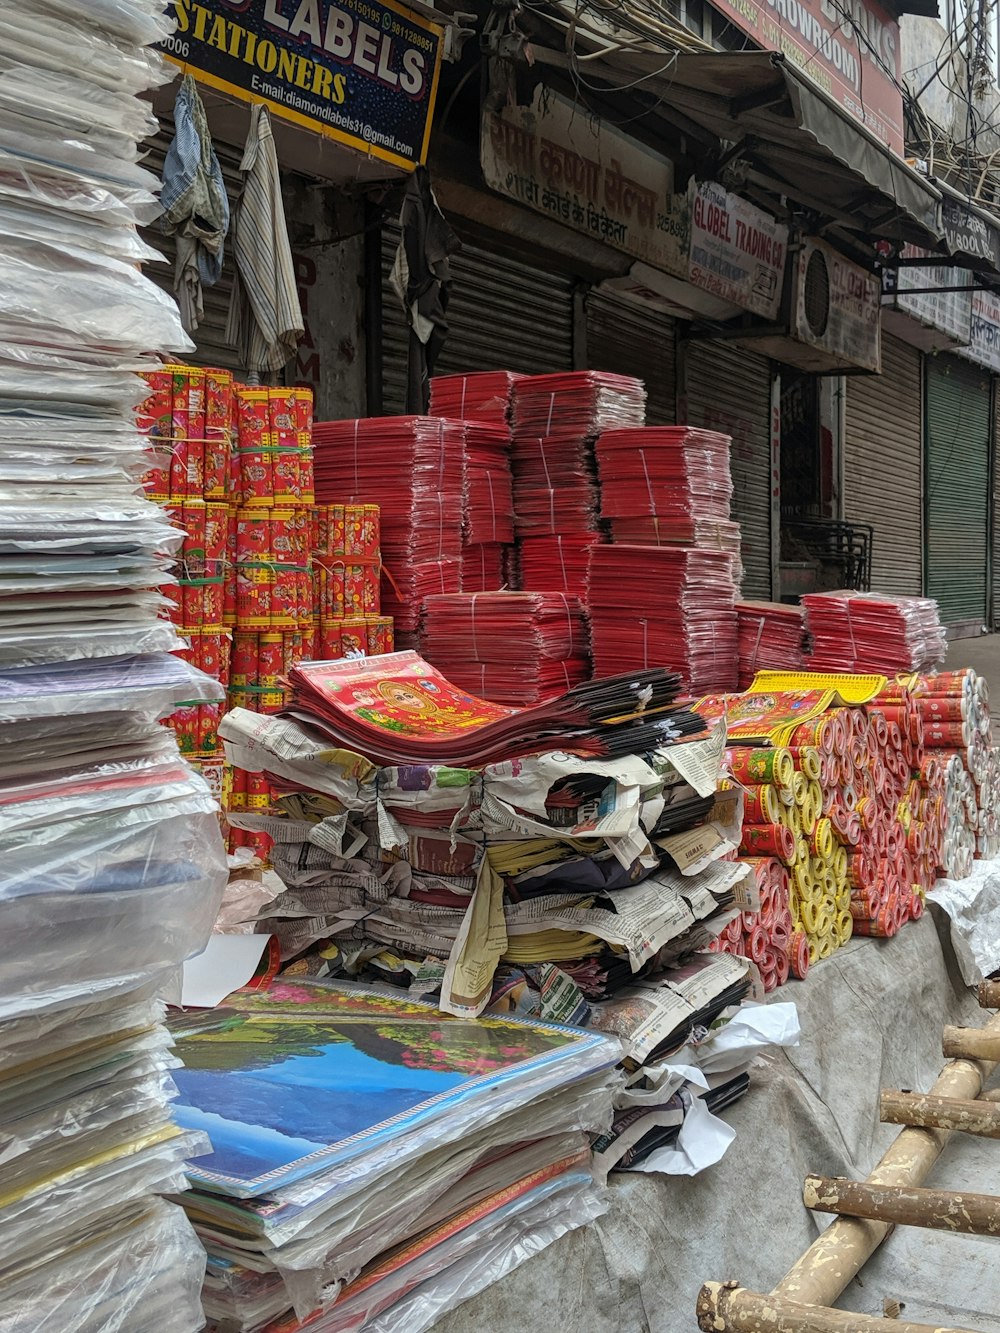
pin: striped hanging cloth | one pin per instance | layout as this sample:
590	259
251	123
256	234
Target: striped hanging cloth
265	319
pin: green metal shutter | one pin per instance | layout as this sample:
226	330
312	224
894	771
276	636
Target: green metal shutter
626	339
503	314
958	444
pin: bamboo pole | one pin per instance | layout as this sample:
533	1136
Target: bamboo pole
940	1210
973	1043
916	1108
728	1308
989	995
835	1258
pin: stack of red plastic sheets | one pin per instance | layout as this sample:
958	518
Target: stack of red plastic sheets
556	419
414	469
712	534
666	474
509	647
867	631
559	563
483	400
484	568
483	396
489	506
669	606
771	638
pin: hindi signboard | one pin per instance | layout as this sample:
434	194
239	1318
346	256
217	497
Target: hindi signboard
967	232
363	72
558	160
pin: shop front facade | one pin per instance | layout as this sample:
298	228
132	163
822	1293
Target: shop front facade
608	242
920	442
351	100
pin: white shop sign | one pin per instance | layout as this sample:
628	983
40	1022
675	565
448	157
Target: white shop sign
984	343
949	312
737	251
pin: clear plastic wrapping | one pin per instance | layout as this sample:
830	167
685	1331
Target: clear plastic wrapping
39	36
91	904
143	1277
64	295
335	1247
153	684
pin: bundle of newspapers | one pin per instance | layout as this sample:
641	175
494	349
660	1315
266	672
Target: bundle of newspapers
113	866
554	886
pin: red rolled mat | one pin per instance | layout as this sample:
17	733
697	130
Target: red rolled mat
798	954
757	944
783	965
768	840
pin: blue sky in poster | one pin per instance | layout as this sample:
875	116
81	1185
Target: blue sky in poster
262	1119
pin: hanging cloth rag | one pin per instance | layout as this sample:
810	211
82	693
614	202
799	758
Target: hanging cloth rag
195	205
265	318
420	278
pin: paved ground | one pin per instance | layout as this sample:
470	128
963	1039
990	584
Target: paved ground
983	654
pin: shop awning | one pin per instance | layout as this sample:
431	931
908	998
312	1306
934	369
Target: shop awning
793	139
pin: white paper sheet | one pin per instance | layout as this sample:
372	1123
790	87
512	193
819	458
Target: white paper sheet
229	961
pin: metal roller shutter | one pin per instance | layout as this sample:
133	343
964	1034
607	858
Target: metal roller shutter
213	349
959	442
729	389
883	466
995	483
628	340
502	315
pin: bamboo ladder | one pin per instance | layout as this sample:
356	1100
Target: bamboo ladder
868	1210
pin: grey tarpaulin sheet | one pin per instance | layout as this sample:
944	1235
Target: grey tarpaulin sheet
871	1018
